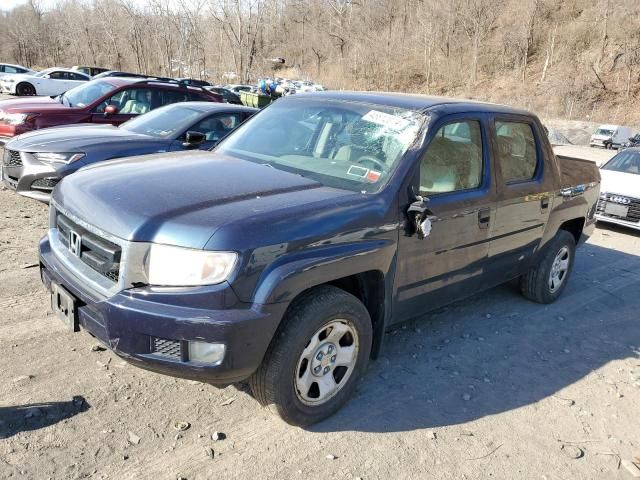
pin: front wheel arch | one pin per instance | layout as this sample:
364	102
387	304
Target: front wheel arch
25	85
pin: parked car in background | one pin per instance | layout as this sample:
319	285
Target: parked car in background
107	100
194	82
632	142
227	95
10	69
239	88
114	73
91	71
610	136
620	190
52	81
284	255
35	162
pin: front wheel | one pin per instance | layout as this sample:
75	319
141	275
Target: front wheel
547	280
316	358
25	89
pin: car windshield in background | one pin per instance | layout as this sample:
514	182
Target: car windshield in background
86	93
604	132
626	162
163	122
340	144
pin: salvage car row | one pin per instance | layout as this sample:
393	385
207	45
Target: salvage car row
283	255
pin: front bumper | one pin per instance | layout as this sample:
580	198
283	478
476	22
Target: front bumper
618	221
8	87
30	178
130	321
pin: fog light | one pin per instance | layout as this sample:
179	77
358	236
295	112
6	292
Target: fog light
212	353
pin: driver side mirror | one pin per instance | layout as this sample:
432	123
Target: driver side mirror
46	76
193	139
419	217
110	110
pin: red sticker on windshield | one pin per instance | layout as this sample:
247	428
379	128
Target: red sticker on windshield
373	175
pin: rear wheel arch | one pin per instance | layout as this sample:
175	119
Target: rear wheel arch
574	227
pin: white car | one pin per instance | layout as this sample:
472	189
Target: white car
52	81
10	69
620	190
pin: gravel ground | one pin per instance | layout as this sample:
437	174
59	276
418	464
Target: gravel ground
490	387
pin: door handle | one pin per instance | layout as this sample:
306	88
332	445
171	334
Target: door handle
484	217
544	203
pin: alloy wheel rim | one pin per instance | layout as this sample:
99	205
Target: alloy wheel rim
326	363
559	269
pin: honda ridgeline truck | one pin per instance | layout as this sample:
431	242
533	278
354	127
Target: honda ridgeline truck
284	255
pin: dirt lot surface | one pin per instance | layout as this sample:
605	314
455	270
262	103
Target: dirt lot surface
491	387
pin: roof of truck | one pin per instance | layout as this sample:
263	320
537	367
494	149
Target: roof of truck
411	101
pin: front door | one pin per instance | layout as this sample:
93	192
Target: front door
449	263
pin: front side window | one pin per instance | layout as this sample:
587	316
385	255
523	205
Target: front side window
604	132
453	160
58	75
10	69
218	126
625	162
133	101
354	146
517	154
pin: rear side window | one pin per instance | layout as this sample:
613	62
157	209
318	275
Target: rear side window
517	153
453	160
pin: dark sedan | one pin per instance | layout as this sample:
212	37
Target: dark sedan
35	162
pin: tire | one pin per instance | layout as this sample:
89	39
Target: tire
25	89
545	282
328	321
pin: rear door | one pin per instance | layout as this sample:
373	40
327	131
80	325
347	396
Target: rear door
525	191
449	263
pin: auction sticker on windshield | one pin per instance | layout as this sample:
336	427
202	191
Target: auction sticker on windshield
386	120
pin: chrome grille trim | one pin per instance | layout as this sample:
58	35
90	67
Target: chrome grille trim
132	259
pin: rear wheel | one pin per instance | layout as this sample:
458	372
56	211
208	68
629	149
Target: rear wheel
25	89
316	358
547	280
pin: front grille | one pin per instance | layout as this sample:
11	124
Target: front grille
633	205
101	255
12	158
46	184
166	348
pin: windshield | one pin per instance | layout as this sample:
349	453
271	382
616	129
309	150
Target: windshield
163	122
340	144
626	162
86	93
603	132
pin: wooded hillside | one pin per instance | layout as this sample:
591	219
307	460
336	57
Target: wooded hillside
566	58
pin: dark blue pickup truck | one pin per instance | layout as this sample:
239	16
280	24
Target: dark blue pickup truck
284	255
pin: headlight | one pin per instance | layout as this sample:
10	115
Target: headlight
17	118
58	157
184	267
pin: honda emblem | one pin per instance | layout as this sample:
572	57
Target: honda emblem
75	243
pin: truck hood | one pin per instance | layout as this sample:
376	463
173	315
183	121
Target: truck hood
76	138
32	105
182	199
627	184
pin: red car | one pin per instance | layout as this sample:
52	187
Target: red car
107	100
